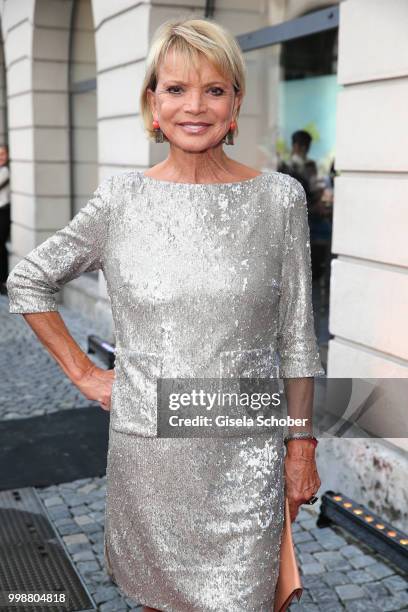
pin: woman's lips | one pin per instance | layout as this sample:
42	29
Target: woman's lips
192	128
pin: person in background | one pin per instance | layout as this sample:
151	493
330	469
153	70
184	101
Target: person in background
295	165
305	170
4	215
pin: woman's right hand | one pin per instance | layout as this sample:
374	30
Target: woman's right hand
96	384
302	479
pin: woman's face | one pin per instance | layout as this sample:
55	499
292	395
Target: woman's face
194	109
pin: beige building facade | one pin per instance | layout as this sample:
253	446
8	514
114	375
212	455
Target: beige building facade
70	78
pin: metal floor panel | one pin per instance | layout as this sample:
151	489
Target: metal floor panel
33	557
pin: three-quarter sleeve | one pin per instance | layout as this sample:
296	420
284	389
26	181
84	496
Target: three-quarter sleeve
34	282
297	344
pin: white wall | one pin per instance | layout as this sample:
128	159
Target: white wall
120	68
36	44
369	281
84	128
369	290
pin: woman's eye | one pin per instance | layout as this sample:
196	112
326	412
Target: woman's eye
218	91
176	89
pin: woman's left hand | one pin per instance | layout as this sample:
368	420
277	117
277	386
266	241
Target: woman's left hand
301	476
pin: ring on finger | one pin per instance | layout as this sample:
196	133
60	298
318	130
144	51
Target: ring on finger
312	500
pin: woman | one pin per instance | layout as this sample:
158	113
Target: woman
207	265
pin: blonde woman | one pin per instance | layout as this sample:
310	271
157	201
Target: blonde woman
207	265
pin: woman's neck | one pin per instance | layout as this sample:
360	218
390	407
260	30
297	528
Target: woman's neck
208	166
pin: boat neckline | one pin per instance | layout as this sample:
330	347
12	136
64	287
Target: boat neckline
243	182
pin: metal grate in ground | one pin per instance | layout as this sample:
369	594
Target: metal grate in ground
33	559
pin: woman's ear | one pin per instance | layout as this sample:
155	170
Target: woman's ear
237	103
152	101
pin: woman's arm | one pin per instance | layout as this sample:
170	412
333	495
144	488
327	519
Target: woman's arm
33	285
301	475
297	347
299	394
95	383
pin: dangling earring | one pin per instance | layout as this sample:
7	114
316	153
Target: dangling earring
229	136
158	134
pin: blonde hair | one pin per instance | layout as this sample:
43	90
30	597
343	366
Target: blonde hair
192	38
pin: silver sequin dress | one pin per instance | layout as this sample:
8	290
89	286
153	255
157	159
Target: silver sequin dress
210	280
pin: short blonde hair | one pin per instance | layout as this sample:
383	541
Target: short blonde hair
192	38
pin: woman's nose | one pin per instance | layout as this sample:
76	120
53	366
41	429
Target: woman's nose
195	102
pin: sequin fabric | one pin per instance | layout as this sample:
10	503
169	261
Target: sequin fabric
205	280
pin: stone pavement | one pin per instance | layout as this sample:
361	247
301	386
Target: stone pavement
78	512
32	383
339	573
342	573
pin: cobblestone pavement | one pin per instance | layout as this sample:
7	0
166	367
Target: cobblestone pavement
339	573
78	512
32	383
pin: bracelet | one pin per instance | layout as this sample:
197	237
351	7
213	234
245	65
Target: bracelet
301	435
